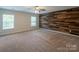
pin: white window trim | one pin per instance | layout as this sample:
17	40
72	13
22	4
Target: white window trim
34	23
3	21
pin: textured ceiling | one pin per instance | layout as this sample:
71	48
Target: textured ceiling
31	8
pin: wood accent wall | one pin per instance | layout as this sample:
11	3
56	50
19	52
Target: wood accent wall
64	21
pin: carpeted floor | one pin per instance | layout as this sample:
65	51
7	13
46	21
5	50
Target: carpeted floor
41	40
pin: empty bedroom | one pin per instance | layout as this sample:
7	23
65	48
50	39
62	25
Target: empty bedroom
39	29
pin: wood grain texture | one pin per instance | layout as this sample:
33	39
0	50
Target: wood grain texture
41	40
64	20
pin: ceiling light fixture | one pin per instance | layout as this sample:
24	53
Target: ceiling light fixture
39	9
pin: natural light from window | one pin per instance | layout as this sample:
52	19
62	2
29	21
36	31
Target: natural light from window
33	21
8	21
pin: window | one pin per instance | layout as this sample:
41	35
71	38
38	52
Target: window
33	21
8	21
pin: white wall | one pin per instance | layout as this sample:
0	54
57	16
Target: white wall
22	22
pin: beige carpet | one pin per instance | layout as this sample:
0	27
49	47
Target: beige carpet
41	40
